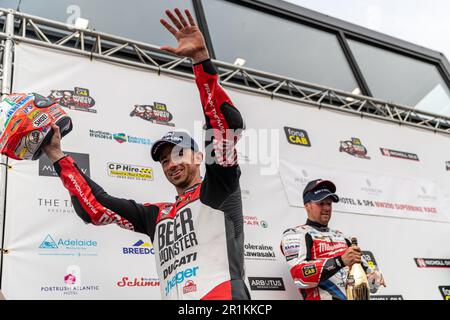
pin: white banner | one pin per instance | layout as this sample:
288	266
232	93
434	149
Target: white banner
394	183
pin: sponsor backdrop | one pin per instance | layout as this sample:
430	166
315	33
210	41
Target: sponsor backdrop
394	183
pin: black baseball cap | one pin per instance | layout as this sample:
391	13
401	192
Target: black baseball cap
318	190
176	138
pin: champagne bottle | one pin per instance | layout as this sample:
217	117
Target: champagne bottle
357	283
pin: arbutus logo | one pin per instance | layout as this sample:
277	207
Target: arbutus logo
264	283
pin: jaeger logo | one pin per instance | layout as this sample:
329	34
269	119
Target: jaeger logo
46	168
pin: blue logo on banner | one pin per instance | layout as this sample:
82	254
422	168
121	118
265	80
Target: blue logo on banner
48	243
139	247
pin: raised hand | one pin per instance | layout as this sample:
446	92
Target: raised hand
190	40
53	147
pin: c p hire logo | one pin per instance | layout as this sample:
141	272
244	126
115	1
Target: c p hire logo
139	247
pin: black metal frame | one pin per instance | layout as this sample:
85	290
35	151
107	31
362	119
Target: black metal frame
344	31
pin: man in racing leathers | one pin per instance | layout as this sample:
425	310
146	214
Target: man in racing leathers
198	239
319	257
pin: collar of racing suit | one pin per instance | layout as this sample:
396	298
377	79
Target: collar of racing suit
317	225
187	191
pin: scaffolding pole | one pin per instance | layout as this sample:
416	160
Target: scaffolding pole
6	80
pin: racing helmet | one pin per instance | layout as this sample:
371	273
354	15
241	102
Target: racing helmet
25	124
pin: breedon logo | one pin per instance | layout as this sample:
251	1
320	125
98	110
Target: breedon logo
139	247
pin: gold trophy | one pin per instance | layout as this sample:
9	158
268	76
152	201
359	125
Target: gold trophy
357	283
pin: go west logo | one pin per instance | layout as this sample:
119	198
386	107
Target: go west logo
119	137
67	247
297	136
139	247
354	147
129	171
156	113
78	99
82	159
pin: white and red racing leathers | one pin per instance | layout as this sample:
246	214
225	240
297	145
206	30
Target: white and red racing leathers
313	252
198	240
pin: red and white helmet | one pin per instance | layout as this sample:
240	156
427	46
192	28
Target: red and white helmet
25	124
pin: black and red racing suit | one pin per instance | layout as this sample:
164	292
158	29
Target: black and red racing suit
313	252
198	240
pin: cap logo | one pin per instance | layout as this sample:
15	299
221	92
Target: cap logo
321	190
168	135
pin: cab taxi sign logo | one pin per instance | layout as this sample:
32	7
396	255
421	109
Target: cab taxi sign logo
297	136
445	291
309	270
